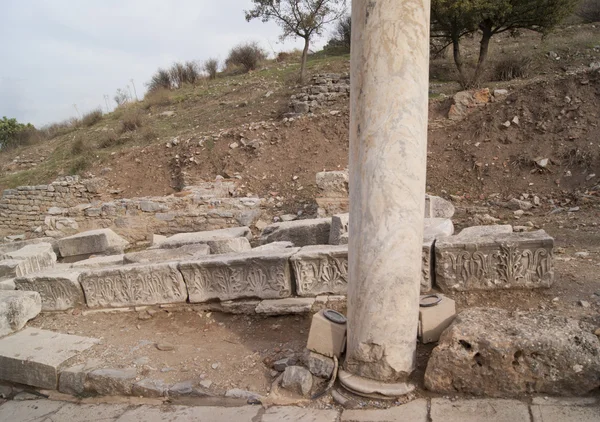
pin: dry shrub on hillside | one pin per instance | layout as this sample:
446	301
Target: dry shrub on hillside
184	73
60	128
589	11
110	139
160	80
247	55
132	120
158	97
79	146
91	118
211	66
149	135
512	67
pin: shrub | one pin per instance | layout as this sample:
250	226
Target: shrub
149	135
589	11
79	147
60	128
160	80
211	66
182	73
157	97
132	120
108	140
91	118
121	97
79	165
13	133
246	55
512	67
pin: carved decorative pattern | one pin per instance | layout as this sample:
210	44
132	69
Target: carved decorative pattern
426	270
325	274
56	295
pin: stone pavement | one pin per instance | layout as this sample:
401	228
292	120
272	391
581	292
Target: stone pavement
420	410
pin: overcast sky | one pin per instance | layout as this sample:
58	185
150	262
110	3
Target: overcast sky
57	53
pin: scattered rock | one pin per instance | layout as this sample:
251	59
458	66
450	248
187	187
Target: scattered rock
584	304
237	393
582	254
165	347
318	365
281	364
297	379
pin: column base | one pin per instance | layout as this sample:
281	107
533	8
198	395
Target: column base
373	389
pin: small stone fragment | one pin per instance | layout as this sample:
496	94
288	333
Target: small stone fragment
297	379
165	347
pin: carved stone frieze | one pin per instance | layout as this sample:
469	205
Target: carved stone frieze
264	275
59	290
133	285
496	261
321	269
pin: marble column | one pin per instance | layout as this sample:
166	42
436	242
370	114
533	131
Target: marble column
388	152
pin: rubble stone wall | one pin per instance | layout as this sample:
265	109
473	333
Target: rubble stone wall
324	90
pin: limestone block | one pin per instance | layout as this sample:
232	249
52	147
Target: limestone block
29	259
494	352
163	255
433	320
183	239
333	184
339	227
111	382
299	232
273	246
16	308
59	290
133	285
433	229
297	379
234	245
321	269
326	337
34	357
481	231
414	411
15	246
292	305
99	261
248	275
436	207
8	284
157	239
497	261
318	365
102	241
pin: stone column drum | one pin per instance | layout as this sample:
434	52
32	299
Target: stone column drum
388	152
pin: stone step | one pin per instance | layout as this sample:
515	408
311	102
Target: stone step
34	357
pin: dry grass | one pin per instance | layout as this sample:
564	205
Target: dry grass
159	97
91	118
512	67
131	121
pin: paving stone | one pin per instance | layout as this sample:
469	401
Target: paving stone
75	412
299	232
293	305
101	241
34	357
16	308
297	379
496	261
339	227
99	261
234	245
436	207
111	382
321	269
187	414
183	239
264	275
497	353
299	414
565	401
29	411
163	255
59	290
565	413
133	285
415	411
489	410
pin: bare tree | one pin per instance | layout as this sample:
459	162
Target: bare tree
299	18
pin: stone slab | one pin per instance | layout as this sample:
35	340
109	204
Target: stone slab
299	232
263	275
34	357
497	261
483	231
101	241
111	382
565	413
339	227
292	305
77	412
16	308
489	410
321	269
99	261
28	411
27	260
299	414
234	245
133	285
415	411
163	255
187	414
273	246
183	239
59	290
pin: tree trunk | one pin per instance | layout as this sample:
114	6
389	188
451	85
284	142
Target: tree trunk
458	61
483	52
304	58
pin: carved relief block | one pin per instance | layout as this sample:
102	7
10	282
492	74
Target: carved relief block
339	228
133	285
496	261
427	269
264	275
321	269
59	290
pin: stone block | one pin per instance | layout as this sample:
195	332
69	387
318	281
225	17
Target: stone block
321	269
27	260
34	357
333	184
111	382
8	284
15	246
29	411
133	285
297	379
183	239
497	353
436	207
433	320
318	365
489	410
332	206
163	255
433	228
16	308
275	246
414	411
299	232
565	413
339	227
483	231
234	245
496	261
101	242
292	305
59	290
149	388
326	337
248	275
99	261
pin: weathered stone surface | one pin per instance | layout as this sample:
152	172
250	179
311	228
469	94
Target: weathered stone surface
34	357
299	232
99	261
415	411
433	229
16	308
297	379
321	269
133	285
433	320
234	245
8	284
292	305
27	260
15	246
436	227
444	410
183	239
565	413
248	275
299	414
333	184
496	261
187	413
239	306
317	364
483	231
163	255
273	246
77	412
111	382
494	352
102	242
436	207
237	393
30	411
149	388
466	101
72	380
339	228
59	290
